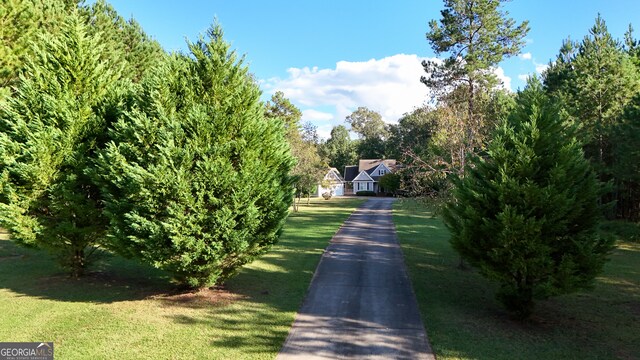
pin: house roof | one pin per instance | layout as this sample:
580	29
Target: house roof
363	176
336	174
368	164
373	171
350	172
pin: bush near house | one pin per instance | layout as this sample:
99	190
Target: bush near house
365	193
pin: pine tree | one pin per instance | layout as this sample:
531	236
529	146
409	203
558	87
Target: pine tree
595	79
48	135
477	34
526	214
626	167
196	180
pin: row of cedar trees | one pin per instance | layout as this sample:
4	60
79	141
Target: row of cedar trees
107	141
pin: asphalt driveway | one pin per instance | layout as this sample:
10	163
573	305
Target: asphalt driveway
360	303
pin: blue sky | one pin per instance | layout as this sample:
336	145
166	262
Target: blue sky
331	56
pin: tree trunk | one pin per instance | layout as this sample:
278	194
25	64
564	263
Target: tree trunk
77	263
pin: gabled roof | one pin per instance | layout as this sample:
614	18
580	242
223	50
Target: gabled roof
334	174
373	172
368	164
363	176
350	172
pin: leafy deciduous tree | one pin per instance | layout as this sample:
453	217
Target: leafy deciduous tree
339	149
373	132
303	140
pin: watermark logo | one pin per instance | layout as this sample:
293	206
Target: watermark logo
26	351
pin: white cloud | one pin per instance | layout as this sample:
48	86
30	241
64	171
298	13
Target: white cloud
390	86
525	56
315	115
506	81
523	77
324	131
541	67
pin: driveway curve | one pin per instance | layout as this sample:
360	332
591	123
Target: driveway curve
360	303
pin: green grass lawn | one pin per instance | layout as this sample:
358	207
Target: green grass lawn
464	321
123	310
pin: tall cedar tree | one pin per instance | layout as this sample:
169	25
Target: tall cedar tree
526	214
196	181
596	79
49	136
20	23
128	44
477	34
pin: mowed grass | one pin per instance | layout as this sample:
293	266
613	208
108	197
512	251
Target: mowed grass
124	310
464	321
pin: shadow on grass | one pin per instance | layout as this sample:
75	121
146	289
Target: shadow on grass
261	300
464	320
34	273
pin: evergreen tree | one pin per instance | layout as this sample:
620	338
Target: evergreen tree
596	79
48	136
128	44
605	80
21	23
196	181
632	46
526	214
477	34
281	108
626	168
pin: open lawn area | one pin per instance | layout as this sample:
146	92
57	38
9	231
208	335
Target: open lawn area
123	310
464	321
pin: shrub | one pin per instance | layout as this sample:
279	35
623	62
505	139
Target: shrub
390	182
365	193
526	215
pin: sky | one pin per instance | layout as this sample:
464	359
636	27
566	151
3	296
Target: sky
331	56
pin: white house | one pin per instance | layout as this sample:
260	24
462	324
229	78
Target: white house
334	182
365	176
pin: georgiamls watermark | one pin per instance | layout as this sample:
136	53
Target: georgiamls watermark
26	351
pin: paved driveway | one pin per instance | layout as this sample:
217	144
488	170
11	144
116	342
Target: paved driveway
360	303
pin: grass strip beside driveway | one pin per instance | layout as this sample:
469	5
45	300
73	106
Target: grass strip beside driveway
124	310
464	321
